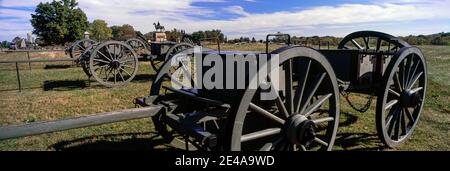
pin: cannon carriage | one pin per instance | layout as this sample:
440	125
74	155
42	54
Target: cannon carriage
303	113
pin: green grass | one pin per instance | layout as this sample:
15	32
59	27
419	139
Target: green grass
51	94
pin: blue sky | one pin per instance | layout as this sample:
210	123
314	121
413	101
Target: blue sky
251	18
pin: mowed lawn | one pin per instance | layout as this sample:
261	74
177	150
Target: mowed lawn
58	90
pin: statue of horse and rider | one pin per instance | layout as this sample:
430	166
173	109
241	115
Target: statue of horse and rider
159	27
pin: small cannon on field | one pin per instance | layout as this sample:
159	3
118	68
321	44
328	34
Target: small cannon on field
159	50
115	63
300	114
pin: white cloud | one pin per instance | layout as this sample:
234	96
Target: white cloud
19	14
20	3
383	15
236	10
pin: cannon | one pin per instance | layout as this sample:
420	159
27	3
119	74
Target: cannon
303	114
159	50
107	67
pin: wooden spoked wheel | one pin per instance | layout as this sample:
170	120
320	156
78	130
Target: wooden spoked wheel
80	47
401	98
138	46
372	41
113	64
294	120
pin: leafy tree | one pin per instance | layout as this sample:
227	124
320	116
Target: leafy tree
123	32
59	22
5	44
175	35
208	34
149	35
99	30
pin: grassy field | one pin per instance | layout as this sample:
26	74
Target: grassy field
59	90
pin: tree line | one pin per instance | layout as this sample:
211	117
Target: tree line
433	39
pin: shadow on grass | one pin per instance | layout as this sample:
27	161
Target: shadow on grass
359	142
107	143
356	141
143	78
66	85
50	67
349	119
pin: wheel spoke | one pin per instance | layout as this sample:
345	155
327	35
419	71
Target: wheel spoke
321	120
121	76
390	104
356	44
413	72
114	52
391	114
414	80
265	113
403	122
109	59
83	49
126	71
109	52
397	82
316	105
410	117
289	85
397	126
402	75
99	67
121	52
312	91
107	73
320	141
260	134
278	100
102	61
366	42
408	69
126	60
115	76
301	89
417	90
393	121
396	94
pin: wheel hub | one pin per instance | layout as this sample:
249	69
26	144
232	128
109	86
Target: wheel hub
409	98
115	64
300	130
